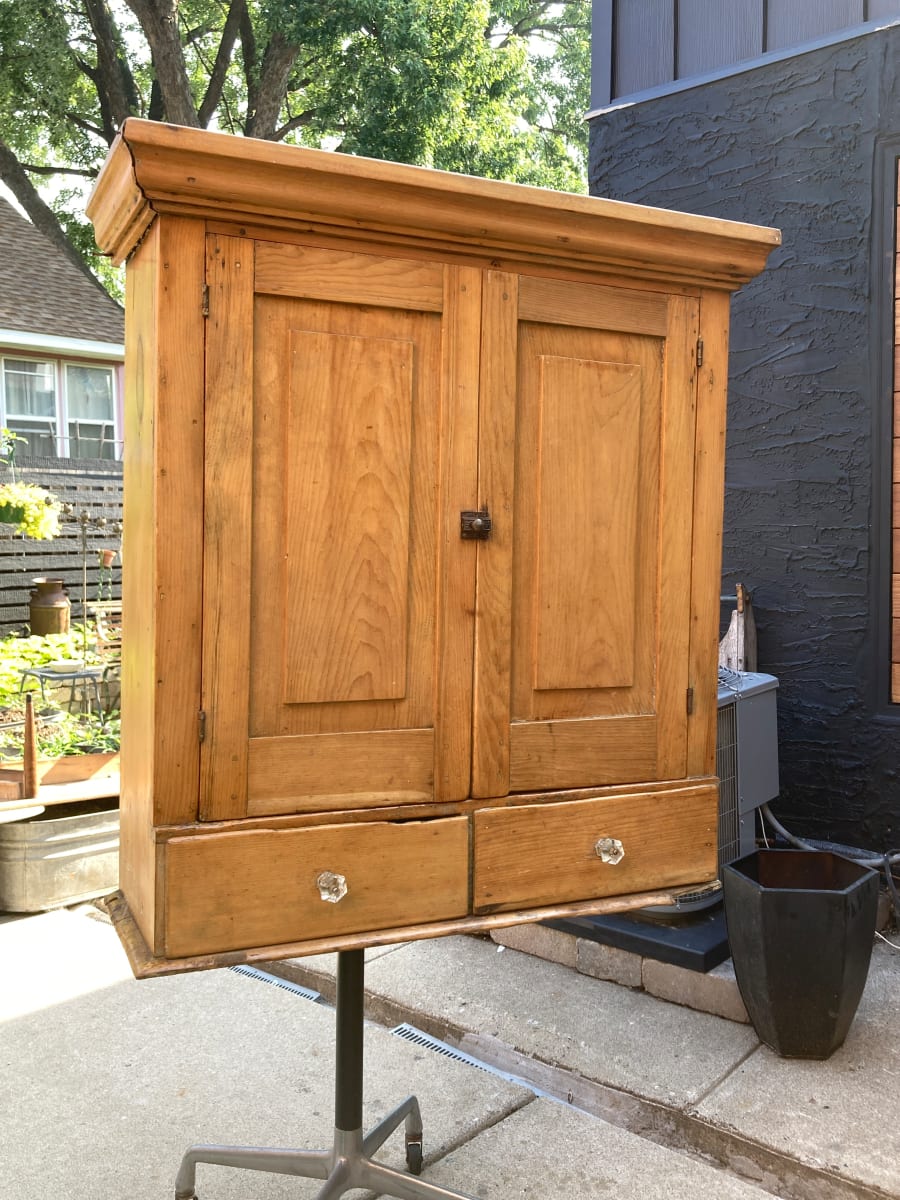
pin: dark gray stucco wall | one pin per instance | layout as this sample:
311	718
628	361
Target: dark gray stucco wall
798	144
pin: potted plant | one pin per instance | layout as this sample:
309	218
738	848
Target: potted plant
33	510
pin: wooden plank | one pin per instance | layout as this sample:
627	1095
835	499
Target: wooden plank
138	756
457	558
675	534
103	787
493	630
410	812
577	753
211	175
587	521
147	965
228	891
589	306
339	275
348	472
227	534
340	770
547	854
177	545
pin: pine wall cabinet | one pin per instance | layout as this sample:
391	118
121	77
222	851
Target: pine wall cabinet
423	495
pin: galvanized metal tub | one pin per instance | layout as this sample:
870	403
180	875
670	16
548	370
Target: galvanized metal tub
63	855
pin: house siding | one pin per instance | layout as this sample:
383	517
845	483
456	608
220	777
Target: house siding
794	143
644	44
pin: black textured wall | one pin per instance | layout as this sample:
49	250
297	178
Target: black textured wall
797	144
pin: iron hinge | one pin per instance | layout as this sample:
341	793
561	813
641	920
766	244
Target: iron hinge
204	307
690	701
201	725
699	352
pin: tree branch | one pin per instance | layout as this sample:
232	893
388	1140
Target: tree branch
277	63
113	77
159	21
293	123
84	172
248	53
219	71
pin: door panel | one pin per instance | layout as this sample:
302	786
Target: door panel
601	549
348	471
341	471
587	562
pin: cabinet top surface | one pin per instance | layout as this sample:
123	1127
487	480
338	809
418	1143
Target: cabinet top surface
154	168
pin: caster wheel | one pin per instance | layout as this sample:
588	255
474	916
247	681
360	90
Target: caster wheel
414	1156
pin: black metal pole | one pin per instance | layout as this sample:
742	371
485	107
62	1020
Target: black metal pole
348	1076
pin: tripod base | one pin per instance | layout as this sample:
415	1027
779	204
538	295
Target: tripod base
348	1164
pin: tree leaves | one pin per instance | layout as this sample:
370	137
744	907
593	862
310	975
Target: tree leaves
486	87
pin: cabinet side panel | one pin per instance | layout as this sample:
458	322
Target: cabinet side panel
136	853
706	557
163	511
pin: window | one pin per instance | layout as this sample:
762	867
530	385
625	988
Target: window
61	409
30	394
90	416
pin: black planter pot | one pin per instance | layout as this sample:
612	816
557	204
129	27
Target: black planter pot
801	925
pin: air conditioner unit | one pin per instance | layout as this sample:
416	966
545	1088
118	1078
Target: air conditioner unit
746	757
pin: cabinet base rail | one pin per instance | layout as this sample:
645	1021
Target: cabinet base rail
348	1164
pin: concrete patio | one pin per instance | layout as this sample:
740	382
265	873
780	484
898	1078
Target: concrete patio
106	1080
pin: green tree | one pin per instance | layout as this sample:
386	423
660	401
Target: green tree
495	88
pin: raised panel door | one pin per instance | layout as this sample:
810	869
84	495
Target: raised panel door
338	493
590	673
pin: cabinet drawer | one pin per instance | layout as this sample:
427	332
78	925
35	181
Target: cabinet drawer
551	853
230	891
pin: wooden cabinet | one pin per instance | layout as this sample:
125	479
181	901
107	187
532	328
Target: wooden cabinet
423	515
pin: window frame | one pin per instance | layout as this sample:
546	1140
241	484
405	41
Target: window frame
60	363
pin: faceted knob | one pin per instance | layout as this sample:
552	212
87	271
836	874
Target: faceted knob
332	887
609	850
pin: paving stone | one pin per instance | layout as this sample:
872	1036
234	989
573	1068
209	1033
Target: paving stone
843	1114
608	962
581	1158
607	1033
550	944
714	991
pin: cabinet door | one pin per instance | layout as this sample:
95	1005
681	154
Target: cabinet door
341	435
585	681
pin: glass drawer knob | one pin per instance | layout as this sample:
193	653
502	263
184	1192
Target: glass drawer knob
332	887
610	850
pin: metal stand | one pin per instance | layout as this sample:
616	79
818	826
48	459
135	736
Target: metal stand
348	1163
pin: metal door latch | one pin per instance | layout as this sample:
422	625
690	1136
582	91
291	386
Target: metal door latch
475	526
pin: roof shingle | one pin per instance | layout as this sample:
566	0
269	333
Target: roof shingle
42	292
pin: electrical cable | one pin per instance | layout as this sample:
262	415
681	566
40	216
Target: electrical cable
865	858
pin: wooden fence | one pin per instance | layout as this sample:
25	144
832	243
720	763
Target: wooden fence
93	488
